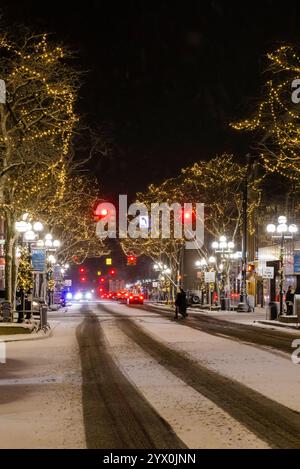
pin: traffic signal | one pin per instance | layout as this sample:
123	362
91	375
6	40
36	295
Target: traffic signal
100	213
82	279
82	270
131	260
188	215
102	279
112	272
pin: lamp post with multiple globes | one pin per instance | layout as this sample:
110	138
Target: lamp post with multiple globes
281	231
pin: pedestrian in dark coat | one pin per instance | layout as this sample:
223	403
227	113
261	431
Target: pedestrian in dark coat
180	304
289	299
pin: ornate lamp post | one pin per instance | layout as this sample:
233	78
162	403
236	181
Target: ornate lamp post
283	231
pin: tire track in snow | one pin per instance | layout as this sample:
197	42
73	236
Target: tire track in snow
116	415
274	423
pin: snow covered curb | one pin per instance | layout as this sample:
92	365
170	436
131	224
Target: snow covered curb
287	326
21	337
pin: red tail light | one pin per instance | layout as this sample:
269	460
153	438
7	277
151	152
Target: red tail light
141	297
131	297
126	294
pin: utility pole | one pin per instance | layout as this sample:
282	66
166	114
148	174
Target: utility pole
243	306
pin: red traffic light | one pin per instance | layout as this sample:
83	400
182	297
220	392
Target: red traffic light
82	270
112	272
131	260
102	279
83	279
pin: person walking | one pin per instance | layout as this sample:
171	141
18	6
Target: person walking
180	304
289	300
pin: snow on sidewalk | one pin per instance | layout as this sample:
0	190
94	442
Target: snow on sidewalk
40	393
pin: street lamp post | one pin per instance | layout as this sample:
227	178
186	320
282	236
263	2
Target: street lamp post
225	249
282	228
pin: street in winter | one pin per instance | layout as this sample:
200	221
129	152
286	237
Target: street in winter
149	232
118	376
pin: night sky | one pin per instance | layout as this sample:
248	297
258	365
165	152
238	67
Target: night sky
164	77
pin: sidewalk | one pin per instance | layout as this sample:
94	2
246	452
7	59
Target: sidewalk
256	318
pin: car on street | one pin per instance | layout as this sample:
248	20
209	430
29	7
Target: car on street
135	299
80	295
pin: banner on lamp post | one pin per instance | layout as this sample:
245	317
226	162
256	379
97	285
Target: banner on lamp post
209	277
38	260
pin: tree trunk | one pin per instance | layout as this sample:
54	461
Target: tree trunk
14	274
9	257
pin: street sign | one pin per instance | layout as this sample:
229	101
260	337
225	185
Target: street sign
38	259
209	277
144	221
268	272
68	283
297	263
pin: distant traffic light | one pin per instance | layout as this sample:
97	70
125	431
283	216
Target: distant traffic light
112	272
100	212
102	279
131	260
82	279
82	270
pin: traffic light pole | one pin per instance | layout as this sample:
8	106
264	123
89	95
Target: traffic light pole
243	306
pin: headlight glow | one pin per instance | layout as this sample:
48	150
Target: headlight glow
69	296
78	296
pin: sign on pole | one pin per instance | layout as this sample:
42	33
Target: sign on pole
297	263
144	221
209	277
38	259
268	272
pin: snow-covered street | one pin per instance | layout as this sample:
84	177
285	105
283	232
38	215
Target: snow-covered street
113	376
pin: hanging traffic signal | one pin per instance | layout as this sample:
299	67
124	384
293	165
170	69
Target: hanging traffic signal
112	272
82	270
100	213
131	260
82	279
102	279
